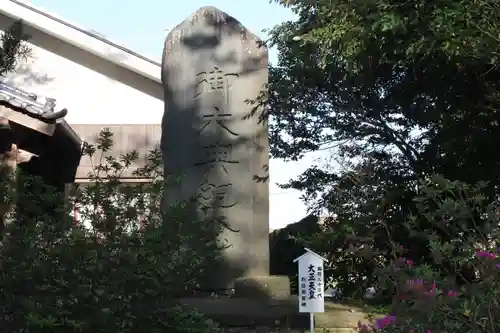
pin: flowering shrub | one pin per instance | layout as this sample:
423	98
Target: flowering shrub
440	299
114	275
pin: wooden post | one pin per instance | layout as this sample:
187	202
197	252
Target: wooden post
8	172
8	168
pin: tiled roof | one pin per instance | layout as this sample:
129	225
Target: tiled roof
33	105
32	111
30	122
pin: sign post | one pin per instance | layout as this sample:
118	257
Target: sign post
311	284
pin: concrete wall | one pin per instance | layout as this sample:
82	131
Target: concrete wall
93	90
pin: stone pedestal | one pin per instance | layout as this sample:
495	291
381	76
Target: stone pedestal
283	313
245	312
272	287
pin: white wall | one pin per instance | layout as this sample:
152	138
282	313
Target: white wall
93	90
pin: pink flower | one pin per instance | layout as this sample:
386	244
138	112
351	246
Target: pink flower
384	322
363	328
452	293
415	282
432	291
497	266
485	254
415	285
403	260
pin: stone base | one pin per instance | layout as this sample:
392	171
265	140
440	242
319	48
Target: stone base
283	313
262	287
243	312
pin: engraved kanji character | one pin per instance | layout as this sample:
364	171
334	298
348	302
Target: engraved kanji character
212	194
217	154
215	80
217	116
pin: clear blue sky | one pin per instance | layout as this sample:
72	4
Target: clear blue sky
143	25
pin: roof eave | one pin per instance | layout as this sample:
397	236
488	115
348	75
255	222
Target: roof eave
81	38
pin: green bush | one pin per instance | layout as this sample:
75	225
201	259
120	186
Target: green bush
443	299
285	246
110	274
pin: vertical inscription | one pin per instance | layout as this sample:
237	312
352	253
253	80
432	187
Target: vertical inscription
216	155
319	282
312	279
303	292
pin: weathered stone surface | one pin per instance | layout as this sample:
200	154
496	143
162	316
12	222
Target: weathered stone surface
273	287
211	67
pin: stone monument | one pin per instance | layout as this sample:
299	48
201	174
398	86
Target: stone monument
211	67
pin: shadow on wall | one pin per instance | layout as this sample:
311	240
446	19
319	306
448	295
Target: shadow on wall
126	138
25	77
193	51
284	247
88	60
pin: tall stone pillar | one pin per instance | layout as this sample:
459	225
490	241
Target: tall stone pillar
211	67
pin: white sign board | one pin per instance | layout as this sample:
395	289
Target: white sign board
311	282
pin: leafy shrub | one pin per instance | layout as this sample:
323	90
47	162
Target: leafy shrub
108	272
285	246
441	298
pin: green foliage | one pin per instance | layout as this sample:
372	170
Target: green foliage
391	92
12	50
428	299
108	273
285	246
